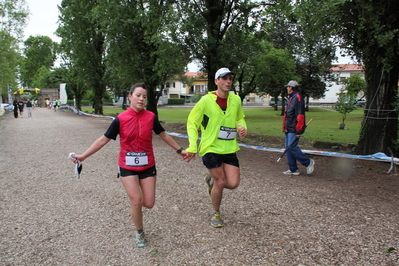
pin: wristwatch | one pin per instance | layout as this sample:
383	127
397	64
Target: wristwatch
180	150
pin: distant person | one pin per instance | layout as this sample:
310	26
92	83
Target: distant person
136	161
15	108
221	118
21	105
29	107
294	126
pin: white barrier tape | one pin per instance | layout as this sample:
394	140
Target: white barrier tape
379	156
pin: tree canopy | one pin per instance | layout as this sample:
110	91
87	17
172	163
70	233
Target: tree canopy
40	53
118	43
139	47
206	26
13	15
82	29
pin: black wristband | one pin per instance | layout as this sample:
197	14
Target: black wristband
180	150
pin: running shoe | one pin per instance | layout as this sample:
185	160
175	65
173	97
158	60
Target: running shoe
310	167
209	182
140	240
289	172
216	220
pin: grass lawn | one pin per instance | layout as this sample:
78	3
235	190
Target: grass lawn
267	121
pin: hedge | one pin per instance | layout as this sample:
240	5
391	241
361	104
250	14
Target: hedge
90	103
176	101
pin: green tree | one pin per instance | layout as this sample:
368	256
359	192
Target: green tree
279	23
55	78
246	47
369	30
82	29
39	80
275	67
9	62
314	48
139	47
76	86
354	85
205	26
344	105
39	52
294	26
13	14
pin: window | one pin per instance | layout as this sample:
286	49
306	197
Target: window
341	80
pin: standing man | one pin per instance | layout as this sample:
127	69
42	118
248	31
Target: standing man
294	126
29	107
220	116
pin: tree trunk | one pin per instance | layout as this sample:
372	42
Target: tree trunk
151	100
379	130
125	103
98	104
99	90
307	103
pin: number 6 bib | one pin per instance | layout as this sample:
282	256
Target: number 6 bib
136	159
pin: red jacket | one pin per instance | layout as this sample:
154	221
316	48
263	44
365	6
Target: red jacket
135	131
294	115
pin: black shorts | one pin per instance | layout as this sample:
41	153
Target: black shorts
214	160
152	171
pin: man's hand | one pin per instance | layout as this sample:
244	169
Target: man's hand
188	156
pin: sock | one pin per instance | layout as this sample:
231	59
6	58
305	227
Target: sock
140	231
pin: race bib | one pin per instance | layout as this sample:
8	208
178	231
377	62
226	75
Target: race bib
227	133
136	159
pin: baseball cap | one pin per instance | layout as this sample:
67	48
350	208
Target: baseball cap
223	72
292	83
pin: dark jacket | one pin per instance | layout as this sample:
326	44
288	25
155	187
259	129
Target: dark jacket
294	115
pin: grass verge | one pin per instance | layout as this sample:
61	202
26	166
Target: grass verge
267	122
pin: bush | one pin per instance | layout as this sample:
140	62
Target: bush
108	103
83	103
176	101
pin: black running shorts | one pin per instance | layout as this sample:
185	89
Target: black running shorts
214	160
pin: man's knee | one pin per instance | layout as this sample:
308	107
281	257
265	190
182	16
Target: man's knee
234	184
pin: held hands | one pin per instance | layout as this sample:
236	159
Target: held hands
187	156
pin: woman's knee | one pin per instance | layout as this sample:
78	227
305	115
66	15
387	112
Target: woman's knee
149	204
136	202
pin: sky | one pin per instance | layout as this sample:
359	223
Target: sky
44	16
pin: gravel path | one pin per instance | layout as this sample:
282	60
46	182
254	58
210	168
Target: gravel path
346	213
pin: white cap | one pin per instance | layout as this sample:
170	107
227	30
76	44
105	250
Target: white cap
223	72
292	83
